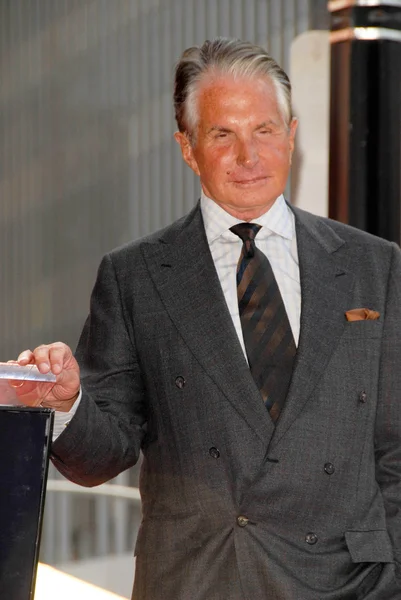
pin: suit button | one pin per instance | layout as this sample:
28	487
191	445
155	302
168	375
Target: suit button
242	521
311	538
180	381
214	453
362	397
329	468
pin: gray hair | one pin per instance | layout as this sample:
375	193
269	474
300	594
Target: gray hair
226	57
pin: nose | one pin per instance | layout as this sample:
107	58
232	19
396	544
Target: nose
247	154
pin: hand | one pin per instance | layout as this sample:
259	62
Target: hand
59	359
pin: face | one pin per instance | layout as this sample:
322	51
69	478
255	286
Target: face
243	147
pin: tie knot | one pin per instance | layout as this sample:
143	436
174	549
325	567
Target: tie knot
247	232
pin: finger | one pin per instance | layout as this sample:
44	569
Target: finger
29	394
26	392
15	383
41	358
25	357
57	355
13	362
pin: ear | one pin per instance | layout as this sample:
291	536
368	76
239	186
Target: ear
292	132
186	150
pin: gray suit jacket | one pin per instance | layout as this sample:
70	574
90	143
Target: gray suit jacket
233	507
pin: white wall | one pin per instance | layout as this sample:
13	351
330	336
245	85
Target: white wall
310	77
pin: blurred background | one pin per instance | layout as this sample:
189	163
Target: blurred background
88	162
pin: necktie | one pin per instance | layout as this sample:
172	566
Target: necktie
268	338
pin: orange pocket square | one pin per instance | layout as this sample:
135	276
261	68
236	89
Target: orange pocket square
362	314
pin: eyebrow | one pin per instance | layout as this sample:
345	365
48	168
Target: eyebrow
221	129
267	124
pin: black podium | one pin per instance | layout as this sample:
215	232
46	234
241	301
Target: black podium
25	437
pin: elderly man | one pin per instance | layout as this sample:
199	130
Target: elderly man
251	351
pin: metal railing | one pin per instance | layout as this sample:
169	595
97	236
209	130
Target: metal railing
82	523
106	490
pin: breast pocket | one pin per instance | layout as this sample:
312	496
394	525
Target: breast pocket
363	329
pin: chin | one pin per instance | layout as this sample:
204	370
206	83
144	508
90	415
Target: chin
254	203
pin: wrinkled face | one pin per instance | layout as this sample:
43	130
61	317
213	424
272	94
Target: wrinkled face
242	149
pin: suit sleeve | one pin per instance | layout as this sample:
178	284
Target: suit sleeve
388	418
105	435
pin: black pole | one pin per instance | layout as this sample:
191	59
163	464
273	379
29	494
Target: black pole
365	115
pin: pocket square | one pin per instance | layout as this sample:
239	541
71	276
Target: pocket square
362	314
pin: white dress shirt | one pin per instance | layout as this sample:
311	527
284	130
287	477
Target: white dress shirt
276	239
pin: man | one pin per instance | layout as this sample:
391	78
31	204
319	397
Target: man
270	435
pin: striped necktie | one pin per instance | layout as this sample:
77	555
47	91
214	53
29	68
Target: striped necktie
268	338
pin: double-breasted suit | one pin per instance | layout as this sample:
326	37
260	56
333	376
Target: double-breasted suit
235	507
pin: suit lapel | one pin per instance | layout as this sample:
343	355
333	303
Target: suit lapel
184	274
326	288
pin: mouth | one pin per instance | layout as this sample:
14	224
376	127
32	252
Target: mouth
250	182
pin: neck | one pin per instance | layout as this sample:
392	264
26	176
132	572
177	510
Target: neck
246	213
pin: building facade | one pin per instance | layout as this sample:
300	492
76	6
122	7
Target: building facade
88	162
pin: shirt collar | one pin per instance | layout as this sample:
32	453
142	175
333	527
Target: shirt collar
277	220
